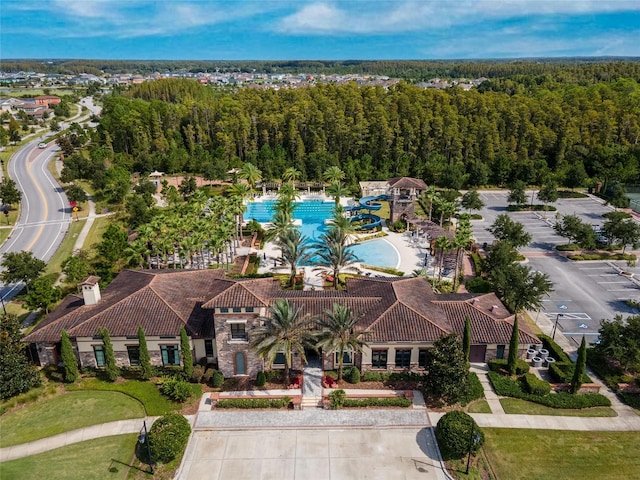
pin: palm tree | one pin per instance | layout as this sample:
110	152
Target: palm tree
461	240
443	244
291	175
280	224
338	333
333	174
251	174
283	331
336	190
341	223
136	253
293	247
333	253
447	210
431	195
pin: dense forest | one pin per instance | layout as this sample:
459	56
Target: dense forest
450	138
578	70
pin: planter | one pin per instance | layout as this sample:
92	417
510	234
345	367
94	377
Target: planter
531	353
543	353
536	361
548	361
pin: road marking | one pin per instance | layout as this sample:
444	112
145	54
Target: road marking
45	207
603	283
581	333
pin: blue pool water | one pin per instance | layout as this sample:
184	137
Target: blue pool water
313	213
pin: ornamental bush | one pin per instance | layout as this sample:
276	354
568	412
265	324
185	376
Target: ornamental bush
454	434
168	437
261	379
337	398
217	380
353	376
377	402
197	374
250	403
177	390
475	390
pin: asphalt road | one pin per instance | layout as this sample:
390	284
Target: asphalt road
584	293
45	214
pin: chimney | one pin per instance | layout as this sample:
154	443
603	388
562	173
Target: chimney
494	308
91	290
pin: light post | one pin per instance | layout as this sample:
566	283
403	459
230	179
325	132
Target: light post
142	438
553	336
473	441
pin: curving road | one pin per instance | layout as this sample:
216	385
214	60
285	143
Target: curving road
45	214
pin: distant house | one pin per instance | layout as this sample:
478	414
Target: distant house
399	317
47	100
10	104
401	192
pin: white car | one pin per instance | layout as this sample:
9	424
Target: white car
42	145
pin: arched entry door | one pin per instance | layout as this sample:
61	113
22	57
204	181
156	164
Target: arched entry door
241	368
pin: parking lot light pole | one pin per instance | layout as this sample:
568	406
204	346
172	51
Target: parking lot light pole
553	336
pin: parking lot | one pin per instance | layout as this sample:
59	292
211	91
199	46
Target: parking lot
584	292
302	454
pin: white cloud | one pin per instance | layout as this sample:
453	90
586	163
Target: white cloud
380	17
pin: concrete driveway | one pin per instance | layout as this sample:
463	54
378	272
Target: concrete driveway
305	454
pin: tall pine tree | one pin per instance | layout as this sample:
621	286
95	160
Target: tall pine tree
466	338
580	367
185	349
145	360
513	347
68	358
111	370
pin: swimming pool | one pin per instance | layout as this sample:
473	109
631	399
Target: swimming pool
312	214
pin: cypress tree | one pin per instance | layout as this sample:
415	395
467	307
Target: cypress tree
466	338
185	349
145	359
111	370
513	348
68	358
580	367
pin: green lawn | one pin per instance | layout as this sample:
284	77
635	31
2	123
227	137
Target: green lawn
516	405
99	459
94	237
66	248
146	392
65	412
479	406
550	454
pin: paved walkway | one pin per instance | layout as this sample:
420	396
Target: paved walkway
492	398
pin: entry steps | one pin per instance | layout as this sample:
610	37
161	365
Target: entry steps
311	401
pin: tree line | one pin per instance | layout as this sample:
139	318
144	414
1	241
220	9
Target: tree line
450	138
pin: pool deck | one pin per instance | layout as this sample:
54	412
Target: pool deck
411	258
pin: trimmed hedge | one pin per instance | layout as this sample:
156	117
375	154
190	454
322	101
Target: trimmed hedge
498	364
478	285
563	373
508	387
534	385
250	403
604	256
376	402
176	389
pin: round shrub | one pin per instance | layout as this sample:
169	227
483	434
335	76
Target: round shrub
353	376
217	380
197	374
168	437
453	433
208	375
337	398
261	379
177	390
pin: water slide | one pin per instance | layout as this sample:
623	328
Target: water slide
369	203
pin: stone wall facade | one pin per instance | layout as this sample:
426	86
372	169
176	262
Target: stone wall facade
229	349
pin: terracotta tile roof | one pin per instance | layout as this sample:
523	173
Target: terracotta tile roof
407	182
390	309
161	301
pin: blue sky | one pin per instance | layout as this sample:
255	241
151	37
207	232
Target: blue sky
309	29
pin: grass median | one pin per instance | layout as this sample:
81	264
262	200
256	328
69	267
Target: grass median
64	413
98	459
529	454
519	406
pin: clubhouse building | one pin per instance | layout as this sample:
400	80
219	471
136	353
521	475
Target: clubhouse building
399	317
